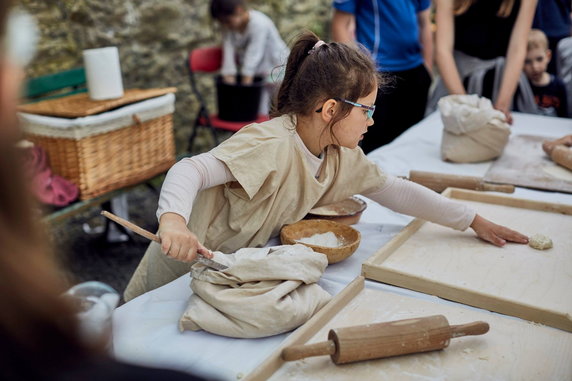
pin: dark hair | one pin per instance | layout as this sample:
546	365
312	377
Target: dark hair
314	75
221	9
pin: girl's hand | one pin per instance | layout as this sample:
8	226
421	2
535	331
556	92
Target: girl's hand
496	234
177	241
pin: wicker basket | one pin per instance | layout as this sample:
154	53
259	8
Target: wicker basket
104	152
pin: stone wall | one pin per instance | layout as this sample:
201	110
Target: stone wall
153	37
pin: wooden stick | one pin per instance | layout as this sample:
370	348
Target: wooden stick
131	226
153	237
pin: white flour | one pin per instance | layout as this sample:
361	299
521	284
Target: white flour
328	239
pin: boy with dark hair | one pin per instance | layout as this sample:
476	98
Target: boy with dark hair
252	45
549	91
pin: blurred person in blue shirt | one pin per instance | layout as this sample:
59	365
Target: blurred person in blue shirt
399	36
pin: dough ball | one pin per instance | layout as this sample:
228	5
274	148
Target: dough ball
540	242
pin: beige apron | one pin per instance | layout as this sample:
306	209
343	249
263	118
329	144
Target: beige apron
274	187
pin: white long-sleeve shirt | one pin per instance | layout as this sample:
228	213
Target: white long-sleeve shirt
259	49
191	175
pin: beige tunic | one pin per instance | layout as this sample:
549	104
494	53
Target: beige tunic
274	187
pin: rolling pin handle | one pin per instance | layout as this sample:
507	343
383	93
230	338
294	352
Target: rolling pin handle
297	352
505	188
470	329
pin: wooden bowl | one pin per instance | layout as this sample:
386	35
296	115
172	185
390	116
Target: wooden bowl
347	211
290	234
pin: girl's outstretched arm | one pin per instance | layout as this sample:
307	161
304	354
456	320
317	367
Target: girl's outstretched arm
409	198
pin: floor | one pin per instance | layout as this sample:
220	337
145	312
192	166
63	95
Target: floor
86	257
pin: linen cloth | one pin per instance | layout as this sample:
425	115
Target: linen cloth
264	292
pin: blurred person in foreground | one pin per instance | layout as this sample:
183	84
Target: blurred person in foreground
39	333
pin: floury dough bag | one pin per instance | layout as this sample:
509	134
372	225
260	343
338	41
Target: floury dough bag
473	130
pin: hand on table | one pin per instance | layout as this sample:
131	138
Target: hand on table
496	234
549	145
177	241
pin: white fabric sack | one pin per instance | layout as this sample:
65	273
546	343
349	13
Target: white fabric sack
473	130
264	292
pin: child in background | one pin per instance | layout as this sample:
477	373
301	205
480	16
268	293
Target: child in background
267	175
549	91
252	45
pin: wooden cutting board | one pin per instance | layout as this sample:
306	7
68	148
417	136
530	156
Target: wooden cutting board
515	279
524	163
513	349
79	105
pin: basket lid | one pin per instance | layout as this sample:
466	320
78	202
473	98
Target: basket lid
79	105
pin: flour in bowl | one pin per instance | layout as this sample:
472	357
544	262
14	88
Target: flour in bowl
328	239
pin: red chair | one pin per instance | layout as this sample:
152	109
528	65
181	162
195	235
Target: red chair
209	60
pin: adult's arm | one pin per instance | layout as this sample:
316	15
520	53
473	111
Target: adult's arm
426	37
343	27
228	68
515	55
444	45
255	51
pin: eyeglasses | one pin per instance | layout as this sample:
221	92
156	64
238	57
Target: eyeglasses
370	109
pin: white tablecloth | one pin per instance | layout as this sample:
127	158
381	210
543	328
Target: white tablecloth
145	329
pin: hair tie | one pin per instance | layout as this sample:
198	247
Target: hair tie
316	46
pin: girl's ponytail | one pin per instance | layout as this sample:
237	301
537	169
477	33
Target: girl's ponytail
304	43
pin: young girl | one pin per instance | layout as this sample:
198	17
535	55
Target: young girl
267	175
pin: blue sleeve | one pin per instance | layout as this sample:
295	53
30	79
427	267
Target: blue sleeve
422	5
348	6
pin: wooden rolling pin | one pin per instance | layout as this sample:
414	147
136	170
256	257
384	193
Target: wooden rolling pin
379	340
562	155
440	181
147	234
